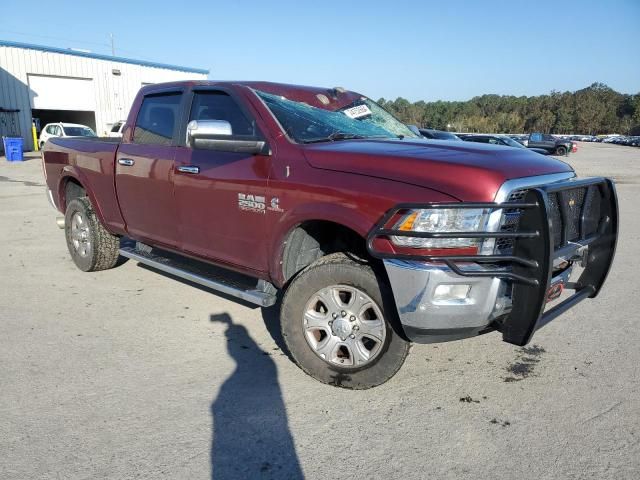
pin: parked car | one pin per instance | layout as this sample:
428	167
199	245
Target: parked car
551	144
52	130
523	139
374	236
438	134
116	129
504	140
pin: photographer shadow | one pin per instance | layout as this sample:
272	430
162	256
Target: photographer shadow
251	436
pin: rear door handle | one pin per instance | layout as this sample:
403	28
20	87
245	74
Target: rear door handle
127	162
189	169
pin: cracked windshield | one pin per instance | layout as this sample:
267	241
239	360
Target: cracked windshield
362	118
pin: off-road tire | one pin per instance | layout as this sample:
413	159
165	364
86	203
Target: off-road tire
103	251
561	151
341	269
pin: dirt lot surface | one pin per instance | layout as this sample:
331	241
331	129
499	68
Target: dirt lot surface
130	374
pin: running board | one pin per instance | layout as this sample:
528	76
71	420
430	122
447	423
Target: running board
200	273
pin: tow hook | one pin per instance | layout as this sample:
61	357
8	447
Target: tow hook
583	253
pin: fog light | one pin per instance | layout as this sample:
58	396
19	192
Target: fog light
457	292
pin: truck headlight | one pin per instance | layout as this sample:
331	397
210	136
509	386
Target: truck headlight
441	220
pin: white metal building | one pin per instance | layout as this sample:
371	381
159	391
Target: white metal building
56	85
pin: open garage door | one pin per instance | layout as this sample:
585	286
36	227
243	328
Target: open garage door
62	99
43	117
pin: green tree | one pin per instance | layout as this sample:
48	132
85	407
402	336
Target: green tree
595	109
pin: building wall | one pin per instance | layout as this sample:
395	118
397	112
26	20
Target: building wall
113	94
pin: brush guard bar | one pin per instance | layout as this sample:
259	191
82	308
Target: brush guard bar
529	267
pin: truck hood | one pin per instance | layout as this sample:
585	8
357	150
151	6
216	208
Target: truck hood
467	171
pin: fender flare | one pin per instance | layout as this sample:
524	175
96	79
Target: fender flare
71	172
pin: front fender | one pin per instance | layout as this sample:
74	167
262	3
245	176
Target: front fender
346	216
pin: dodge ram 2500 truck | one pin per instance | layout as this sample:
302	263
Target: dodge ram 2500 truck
369	236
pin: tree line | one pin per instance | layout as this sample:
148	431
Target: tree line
597	109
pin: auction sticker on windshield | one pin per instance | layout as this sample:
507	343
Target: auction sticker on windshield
358	111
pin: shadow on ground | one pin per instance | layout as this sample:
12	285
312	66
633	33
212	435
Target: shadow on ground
251	436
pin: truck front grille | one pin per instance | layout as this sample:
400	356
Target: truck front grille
573	213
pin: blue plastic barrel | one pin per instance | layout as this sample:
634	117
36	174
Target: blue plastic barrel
13	148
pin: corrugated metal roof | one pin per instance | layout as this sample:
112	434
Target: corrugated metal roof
98	56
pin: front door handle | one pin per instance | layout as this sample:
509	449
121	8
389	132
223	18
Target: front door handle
127	162
189	169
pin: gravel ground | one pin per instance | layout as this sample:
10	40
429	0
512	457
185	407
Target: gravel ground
130	374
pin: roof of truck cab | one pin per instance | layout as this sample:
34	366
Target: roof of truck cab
271	87
319	97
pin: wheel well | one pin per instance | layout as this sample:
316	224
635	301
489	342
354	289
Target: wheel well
72	190
314	239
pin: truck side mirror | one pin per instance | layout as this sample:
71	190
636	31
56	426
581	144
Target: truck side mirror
218	135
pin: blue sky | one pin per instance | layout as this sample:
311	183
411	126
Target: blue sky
419	50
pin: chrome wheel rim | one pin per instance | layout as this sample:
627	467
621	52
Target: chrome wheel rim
80	238
344	326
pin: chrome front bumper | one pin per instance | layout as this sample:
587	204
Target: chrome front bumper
426	319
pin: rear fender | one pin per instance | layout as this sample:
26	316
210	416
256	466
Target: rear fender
71	172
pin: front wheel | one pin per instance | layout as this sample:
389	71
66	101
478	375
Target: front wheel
92	248
339	323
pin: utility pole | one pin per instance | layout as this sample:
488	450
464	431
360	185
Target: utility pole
113	50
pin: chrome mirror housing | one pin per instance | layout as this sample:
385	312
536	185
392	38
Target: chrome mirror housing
218	135
203	129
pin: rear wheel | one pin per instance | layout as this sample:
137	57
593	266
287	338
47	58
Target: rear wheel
560	151
339	323
92	248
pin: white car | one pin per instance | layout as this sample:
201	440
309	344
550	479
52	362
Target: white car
116	129
51	130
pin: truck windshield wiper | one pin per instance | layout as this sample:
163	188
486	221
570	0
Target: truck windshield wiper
334	137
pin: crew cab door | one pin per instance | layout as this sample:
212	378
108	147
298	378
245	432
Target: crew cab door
221	197
144	170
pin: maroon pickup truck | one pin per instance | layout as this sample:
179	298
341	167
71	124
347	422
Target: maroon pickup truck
369	236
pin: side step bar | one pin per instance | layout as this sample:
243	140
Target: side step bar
198	272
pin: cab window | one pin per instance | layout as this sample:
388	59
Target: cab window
157	118
536	137
216	105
